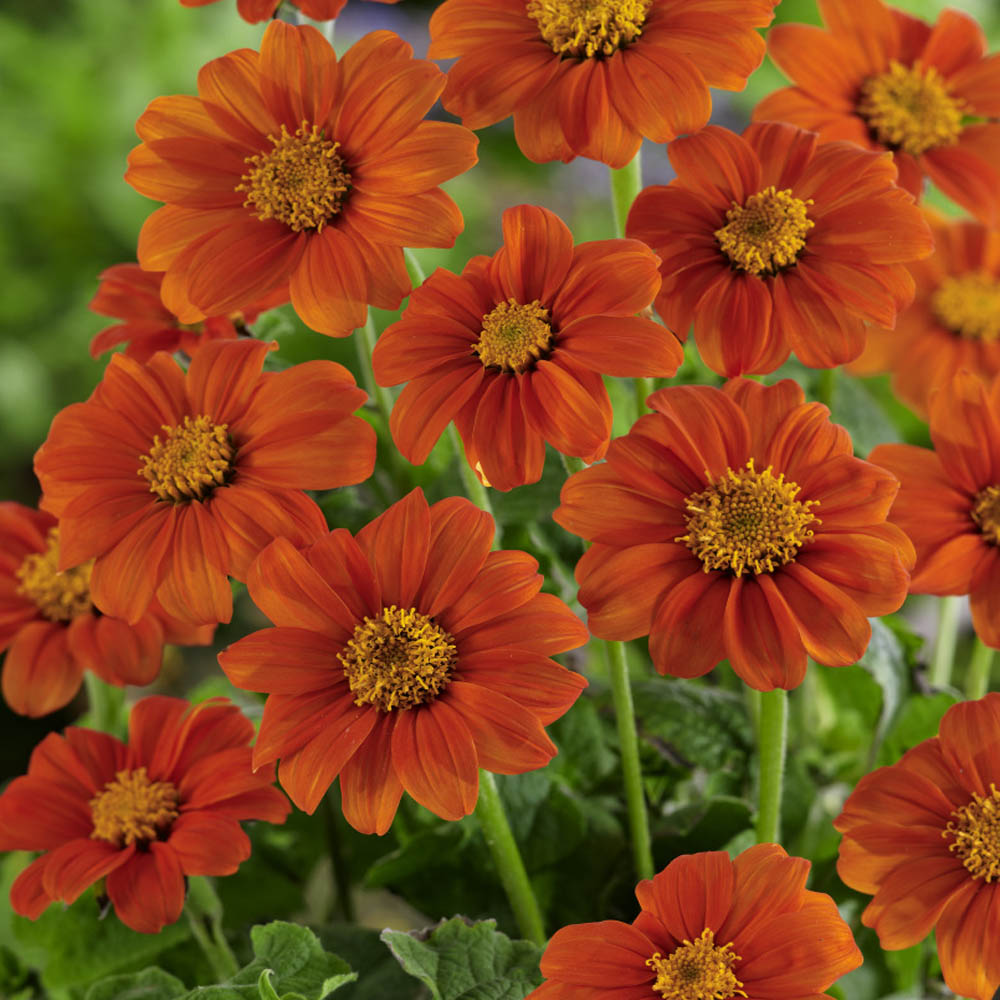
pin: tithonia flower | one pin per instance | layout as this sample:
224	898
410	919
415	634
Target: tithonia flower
260	10
737	523
923	838
292	167
771	243
949	499
172	481
710	928
513	349
593	77
405	658
51	630
137	818
886	80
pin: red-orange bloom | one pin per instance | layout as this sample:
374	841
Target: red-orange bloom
923	838
139	816
594	78
513	349
885	80
709	927
172	481
255	11
292	167
405	658
771	243
51	630
737	523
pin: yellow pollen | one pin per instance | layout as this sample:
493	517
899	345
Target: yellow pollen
697	970
302	182
909	108
975	833
132	808
514	336
969	306
399	660
60	597
748	521
589	28
191	460
986	513
767	232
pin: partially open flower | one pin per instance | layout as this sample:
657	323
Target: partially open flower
261	10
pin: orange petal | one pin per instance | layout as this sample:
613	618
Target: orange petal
40	674
685	640
718	164
282	661
328	285
588	117
369	788
148	891
208	844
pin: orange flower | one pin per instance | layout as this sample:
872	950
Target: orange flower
586	78
255	11
171	482
293	167
514	349
137	818
923	838
737	523
773	244
885	80
405	658
709	927
51	630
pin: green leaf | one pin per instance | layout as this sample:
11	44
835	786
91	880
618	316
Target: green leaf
379	974
150	984
918	721
855	408
885	659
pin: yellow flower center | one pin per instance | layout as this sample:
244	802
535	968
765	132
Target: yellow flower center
399	660
969	306
986	513
748	521
975	833
60	597
301	182
133	808
767	232
589	28
909	108
697	970
191	460
514	336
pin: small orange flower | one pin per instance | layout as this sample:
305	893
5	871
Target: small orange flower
593	77
773	244
255	11
885	80
513	350
291	167
140	817
405	658
923	838
710	927
737	523
172	481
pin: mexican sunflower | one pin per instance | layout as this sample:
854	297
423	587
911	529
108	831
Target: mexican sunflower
772	243
51	630
404	658
737	523
291	167
885	80
923	838
709	927
593	77
169	482
513	349
260	10
137	818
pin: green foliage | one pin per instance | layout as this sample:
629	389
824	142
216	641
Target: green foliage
150	984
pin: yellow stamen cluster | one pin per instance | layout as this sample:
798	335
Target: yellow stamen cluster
192	459
301	182
60	597
697	970
514	336
986	513
399	660
909	108
767	232
132	808
589	28
969	306
748	521
975	835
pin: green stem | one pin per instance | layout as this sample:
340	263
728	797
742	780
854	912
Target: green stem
771	747
977	680
626	183
642	388
944	642
474	489
334	842
104	703
628	742
572	464
826	383
413	268
507	858
365	343
218	952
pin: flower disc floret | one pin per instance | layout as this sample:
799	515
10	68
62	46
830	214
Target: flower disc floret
697	970
514	336
975	835
589	28
60	597
192	459
986	513
133	809
969	306
767	232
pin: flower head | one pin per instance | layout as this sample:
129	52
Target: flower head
255	11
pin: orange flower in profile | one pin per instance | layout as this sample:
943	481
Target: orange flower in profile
513	350
709	927
737	523
594	78
172	481
51	630
141	816
923	838
771	243
255	11
291	167
885	80
405	658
